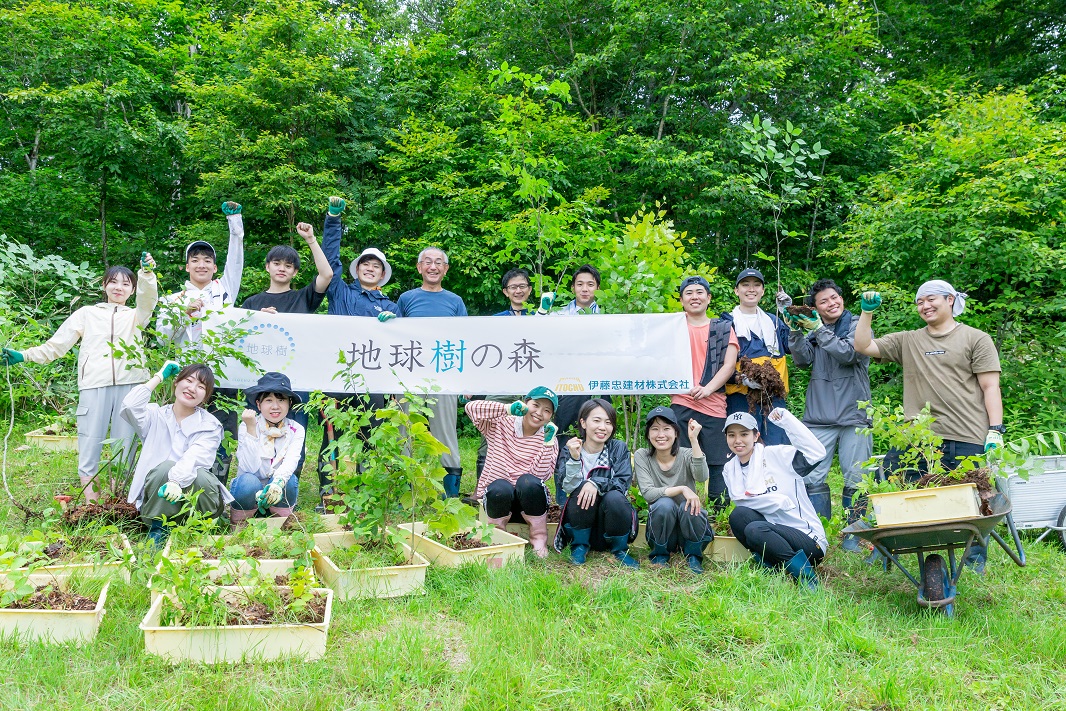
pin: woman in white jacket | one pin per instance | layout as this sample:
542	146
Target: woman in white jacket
269	443
774	517
105	376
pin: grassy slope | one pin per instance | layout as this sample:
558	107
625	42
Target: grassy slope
544	636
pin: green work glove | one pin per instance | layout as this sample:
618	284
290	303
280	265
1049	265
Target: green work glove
11	357
546	301
169	491
550	431
809	323
336	205
386	316
870	300
793	321
231	208
169	370
993	439
463	399
147	262
518	408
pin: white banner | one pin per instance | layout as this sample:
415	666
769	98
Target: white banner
474	355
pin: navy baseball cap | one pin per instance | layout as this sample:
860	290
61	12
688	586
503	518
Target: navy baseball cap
750	273
689	281
665	413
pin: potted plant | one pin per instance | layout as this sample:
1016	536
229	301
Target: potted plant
91	551
59	436
253	549
902	497
725	548
377	482
192	619
48	607
452	535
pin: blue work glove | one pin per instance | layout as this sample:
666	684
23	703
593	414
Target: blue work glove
993	439
231	208
517	408
11	357
169	491
336	205
870	300
550	430
386	316
169	370
147	262
546	301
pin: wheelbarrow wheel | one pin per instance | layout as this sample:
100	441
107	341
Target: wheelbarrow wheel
934	583
1060	524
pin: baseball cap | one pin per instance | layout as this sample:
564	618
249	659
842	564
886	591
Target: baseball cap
750	273
542	393
199	243
664	412
689	281
744	419
377	254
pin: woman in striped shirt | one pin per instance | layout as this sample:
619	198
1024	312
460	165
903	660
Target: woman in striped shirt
522	452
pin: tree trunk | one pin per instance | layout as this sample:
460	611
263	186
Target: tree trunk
103	218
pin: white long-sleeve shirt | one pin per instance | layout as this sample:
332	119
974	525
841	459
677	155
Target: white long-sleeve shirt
177	325
770	483
190	444
97	327
270	461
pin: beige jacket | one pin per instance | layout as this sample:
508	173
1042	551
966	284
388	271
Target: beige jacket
97	327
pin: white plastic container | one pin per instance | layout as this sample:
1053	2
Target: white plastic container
54	443
53	626
727	549
504	548
389	581
933	505
235	643
92	569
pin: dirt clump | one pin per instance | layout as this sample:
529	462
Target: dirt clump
243	612
460	542
769	380
110	510
555	513
50	598
805	311
980	477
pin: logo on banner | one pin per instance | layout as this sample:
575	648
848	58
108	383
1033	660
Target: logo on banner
270	345
570	385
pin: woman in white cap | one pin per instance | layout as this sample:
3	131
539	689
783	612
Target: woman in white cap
774	517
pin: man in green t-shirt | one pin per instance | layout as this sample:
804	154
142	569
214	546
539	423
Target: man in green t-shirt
949	366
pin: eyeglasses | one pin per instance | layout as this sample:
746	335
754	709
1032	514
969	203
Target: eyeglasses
517	287
433	262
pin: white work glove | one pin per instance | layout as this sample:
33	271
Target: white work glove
170	491
783	300
272	494
745	380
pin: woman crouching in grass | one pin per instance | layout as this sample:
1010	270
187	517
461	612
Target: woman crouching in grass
596	478
268	451
667	475
180	442
774	517
521	456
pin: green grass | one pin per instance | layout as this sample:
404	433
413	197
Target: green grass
547	635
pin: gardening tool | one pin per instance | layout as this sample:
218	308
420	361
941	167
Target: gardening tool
937	579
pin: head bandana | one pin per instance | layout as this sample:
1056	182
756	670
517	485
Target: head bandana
938	287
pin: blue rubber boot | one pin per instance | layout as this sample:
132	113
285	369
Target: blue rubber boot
157	534
693	551
853	509
579	543
802	571
759	562
620	548
451	482
659	555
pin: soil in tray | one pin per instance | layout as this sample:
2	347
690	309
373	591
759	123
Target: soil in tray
242	612
51	598
77	550
460	542
979	477
800	311
111	510
770	380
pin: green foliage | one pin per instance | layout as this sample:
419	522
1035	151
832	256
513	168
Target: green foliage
449	518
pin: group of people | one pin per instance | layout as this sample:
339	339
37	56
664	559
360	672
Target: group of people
771	465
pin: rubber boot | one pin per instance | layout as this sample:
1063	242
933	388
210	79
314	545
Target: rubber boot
279	511
801	570
451	482
848	503
620	549
693	551
500	523
820	496
538	533
158	534
579	543
757	559
659	556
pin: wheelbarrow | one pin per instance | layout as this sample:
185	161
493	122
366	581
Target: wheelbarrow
937	579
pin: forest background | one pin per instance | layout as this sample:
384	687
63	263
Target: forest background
878	143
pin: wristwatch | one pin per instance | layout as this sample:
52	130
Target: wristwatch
1002	429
